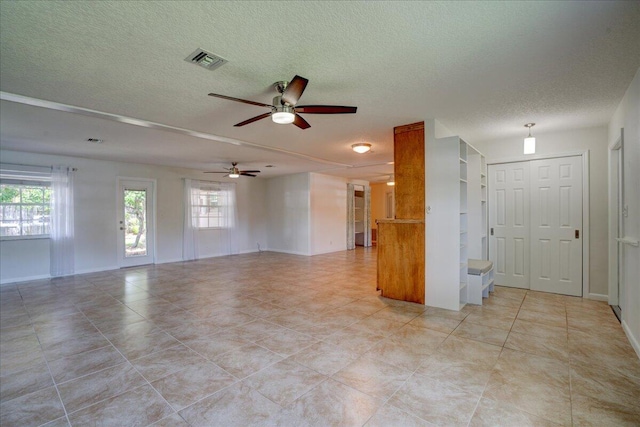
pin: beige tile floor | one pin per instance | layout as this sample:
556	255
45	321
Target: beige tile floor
272	339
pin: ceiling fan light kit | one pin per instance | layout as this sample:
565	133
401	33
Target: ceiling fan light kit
234	172
283	115
361	147
284	110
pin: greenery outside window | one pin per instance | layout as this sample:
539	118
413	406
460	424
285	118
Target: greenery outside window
25	208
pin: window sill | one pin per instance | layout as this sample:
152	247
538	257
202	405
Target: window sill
14	238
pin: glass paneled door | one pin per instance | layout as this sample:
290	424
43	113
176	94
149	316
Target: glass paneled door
136	230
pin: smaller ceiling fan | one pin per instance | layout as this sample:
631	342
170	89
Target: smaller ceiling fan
284	110
234	172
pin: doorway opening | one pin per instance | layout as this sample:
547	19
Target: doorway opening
358	216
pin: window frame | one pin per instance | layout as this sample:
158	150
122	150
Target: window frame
22	183
210	190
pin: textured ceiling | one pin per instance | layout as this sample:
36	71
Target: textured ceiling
483	69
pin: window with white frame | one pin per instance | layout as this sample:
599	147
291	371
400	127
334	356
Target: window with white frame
212	205
25	206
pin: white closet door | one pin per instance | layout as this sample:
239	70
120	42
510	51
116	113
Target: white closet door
556	225
509	223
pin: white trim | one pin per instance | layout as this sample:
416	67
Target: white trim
634	343
286	252
96	270
27	237
250	251
585	225
536	157
25	279
26	100
329	251
612	210
598	297
585	203
169	261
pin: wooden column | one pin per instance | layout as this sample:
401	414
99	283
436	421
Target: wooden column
401	242
400	249
408	168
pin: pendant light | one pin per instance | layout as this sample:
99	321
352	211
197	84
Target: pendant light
529	141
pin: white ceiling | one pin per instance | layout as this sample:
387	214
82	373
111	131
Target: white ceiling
483	69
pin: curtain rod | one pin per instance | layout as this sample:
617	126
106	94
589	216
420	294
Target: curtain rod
32	166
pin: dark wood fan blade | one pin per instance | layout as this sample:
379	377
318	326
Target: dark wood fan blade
249	171
247	174
325	109
231	98
253	119
301	123
294	90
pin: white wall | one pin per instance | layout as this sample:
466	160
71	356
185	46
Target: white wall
595	140
96	224
289	219
627	116
328	213
307	213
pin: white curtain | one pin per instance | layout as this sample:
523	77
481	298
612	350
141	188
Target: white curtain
61	236
189	243
210	219
229	220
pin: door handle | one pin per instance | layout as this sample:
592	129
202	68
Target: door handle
121	228
492	231
577	234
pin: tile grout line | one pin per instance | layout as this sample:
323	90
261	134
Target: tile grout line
130	364
502	347
46	361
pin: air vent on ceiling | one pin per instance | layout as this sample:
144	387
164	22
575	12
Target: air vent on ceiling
206	59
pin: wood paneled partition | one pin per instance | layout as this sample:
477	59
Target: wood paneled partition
408	156
400	249
401	241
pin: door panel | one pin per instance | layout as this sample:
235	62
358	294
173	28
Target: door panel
556	215
535	210
135	223
509	222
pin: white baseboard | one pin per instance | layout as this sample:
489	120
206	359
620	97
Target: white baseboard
329	251
598	297
24	279
169	261
97	270
286	252
632	339
250	251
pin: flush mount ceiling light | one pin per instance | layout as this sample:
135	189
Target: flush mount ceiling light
529	141
361	147
390	181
